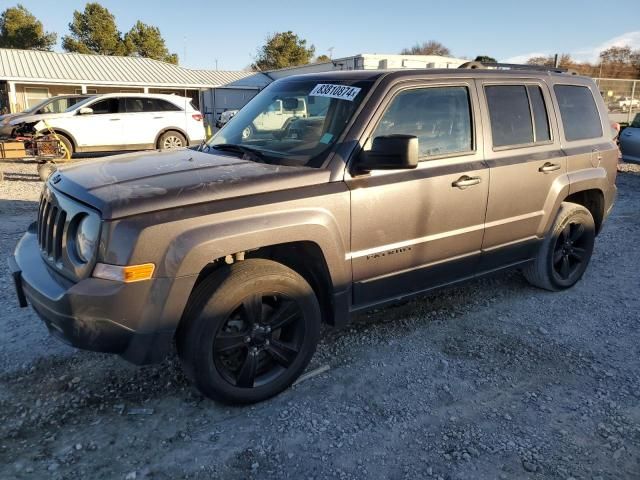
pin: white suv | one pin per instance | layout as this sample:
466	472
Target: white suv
124	121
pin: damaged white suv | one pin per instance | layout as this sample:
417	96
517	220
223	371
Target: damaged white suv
122	121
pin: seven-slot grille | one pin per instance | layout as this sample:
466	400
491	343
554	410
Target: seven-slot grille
51	223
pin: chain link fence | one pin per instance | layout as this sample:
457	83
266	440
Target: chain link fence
622	97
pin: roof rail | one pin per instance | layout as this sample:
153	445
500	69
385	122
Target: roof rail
516	66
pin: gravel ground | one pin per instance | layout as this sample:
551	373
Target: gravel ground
492	379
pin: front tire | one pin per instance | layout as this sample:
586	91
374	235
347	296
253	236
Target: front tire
67	147
565	252
249	331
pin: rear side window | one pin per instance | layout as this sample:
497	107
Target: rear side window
137	105
540	117
510	115
439	116
579	112
518	115
165	106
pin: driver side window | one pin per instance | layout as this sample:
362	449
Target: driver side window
439	116
104	107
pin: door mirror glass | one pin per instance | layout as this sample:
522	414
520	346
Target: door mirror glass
85	111
291	103
390	152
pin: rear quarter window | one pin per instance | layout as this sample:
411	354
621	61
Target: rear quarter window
579	112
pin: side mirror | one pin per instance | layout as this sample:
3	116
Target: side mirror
291	103
85	111
390	152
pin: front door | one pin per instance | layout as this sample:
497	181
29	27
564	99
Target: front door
417	229
102	128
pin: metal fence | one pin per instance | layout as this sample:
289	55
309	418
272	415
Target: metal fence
621	96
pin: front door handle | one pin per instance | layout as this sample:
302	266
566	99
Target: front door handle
114	119
465	181
549	167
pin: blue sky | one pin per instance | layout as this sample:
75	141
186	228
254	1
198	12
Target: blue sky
231	31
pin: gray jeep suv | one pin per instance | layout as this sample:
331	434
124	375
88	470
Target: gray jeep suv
393	184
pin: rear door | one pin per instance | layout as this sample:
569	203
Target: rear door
146	117
417	229
526	161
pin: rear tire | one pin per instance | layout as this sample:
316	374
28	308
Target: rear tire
171	139
249	331
248	132
565	252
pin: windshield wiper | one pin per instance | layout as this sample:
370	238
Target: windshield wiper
256	154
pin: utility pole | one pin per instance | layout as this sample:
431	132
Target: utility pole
330	50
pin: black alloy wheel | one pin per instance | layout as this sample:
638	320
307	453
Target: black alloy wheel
249	330
259	340
570	251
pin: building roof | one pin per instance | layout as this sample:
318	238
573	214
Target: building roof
77	68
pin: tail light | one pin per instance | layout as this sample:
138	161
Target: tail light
197	117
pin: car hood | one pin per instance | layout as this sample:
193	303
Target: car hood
6	118
135	183
36	118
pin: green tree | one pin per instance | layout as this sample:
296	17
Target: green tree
281	50
20	29
322	59
427	48
485	59
146	41
94	31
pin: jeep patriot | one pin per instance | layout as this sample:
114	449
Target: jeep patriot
392	184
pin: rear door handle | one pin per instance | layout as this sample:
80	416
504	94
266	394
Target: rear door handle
465	181
114	119
549	167
156	118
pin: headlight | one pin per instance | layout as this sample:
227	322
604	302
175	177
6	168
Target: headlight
86	239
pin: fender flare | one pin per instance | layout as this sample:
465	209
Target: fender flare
192	250
568	184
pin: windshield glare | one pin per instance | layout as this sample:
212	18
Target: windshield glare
294	122
61	104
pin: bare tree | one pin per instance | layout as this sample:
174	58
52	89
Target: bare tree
427	48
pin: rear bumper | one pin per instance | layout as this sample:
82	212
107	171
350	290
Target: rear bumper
136	321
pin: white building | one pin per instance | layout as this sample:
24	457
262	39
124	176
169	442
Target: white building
371	61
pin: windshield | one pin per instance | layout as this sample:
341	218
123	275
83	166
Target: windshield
36	106
292	122
59	105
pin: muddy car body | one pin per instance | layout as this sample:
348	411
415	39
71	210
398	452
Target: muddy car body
406	181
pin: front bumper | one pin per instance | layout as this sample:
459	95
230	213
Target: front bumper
134	320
